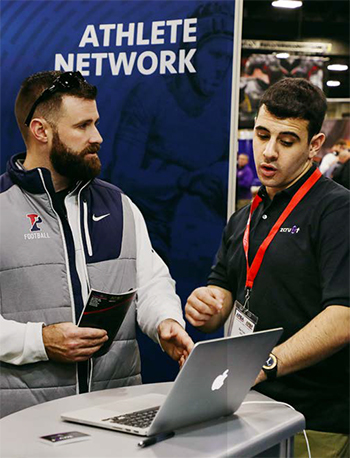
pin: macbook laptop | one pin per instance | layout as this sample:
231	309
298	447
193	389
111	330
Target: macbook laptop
212	383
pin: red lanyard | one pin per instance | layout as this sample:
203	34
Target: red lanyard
253	270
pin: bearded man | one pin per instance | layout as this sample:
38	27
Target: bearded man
66	233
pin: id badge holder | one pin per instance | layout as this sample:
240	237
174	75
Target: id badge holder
242	320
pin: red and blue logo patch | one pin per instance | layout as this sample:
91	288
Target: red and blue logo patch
34	221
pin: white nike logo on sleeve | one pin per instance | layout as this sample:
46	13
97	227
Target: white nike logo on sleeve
98	218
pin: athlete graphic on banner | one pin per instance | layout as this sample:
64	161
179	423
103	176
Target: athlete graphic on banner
163	124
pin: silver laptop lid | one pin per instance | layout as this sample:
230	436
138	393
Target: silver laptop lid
215	379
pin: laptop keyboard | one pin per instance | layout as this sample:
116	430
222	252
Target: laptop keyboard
139	419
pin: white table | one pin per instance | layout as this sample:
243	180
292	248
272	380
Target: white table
254	429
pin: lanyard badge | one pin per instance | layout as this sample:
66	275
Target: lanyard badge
242	320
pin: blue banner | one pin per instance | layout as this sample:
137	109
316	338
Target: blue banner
164	73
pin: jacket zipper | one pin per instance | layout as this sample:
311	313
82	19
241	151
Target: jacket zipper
70	288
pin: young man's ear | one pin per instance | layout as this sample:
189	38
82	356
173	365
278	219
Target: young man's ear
40	130
316	144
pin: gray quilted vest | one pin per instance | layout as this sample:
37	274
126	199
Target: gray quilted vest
35	286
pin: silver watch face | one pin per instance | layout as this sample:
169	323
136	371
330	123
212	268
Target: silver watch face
271	362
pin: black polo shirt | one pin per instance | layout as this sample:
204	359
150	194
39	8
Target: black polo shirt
305	269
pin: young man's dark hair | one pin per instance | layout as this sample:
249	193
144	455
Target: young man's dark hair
33	86
296	98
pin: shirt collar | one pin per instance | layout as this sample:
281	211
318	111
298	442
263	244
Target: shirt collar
291	190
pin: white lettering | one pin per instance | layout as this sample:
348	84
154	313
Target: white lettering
154	63
188	29
184	61
167	58
139	39
107	32
81	64
156	32
173	24
147	62
129	34
89	36
293	230
99	58
61	64
36	235
122	61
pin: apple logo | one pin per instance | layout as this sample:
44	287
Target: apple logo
219	381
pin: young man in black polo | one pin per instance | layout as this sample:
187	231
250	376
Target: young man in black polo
285	257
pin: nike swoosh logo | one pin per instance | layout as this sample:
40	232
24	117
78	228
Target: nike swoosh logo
98	218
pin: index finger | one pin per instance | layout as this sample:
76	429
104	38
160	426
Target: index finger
92	333
186	342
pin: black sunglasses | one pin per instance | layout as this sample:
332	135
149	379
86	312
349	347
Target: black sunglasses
63	83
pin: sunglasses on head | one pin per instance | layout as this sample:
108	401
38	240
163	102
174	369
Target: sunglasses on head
63	83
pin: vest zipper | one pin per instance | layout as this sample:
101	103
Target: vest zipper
90	253
70	288
86	228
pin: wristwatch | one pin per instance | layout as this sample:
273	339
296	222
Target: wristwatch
270	367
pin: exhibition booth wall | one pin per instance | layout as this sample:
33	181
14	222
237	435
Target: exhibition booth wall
164	72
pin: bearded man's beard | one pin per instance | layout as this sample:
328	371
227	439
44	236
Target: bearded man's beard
77	166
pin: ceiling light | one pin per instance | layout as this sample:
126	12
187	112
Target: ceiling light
287	4
333	83
282	55
337	67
